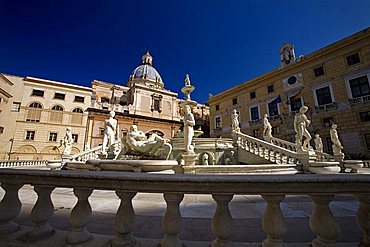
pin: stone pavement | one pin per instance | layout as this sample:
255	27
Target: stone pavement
197	211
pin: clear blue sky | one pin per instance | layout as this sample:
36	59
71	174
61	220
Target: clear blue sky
219	43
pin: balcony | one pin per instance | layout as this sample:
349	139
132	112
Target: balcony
327	107
255	122
359	100
321	189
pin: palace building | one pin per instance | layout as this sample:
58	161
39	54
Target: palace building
34	112
334	82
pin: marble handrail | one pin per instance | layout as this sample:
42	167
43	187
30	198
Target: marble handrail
273	188
88	154
284	144
22	163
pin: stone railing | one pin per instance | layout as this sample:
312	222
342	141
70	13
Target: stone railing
326	107
22	163
92	153
268	151
359	100
273	188
284	144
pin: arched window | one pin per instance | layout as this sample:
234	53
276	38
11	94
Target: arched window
56	114
34	112
76	116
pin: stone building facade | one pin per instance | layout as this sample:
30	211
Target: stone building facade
334	82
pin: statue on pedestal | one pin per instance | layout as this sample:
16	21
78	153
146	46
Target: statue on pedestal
337	145
235	121
318	143
300	126
267	129
189	123
111	133
67	142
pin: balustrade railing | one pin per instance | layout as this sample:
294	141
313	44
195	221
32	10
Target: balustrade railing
273	188
359	100
284	144
22	163
92	153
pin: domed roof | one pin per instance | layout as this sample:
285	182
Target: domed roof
146	71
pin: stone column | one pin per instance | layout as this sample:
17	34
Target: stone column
41	213
273	223
80	217
222	221
125	221
189	160
323	223
10	206
171	223
363	219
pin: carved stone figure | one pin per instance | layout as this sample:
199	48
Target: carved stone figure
205	159
337	145
67	142
189	123
267	129
111	132
300	126
187	80
235	121
318	143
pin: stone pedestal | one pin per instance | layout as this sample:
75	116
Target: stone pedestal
329	167
189	159
354	165
306	158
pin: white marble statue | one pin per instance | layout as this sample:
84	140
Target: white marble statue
235	121
205	159
187	80
318	143
267	129
189	123
337	145
111	132
67	142
300	126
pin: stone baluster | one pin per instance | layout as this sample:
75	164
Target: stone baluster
171	223
222	221
272	156
273	223
277	158
41	213
267	154
284	159
125	220
363	219
10	206
323	223
80	217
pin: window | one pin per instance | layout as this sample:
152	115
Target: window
1	130
235	101
323	96
367	140
275	130
295	103
56	114
38	93
16	106
53	137
271	88
254	113
80	99
256	133
59	96
253	94
77	115
101	131
104	100
30	135
359	86
327	122
156	105
75	138
273	109
353	59
218	122
319	71
34	112
217	107
365	116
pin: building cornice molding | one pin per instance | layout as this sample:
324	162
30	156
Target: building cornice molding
56	83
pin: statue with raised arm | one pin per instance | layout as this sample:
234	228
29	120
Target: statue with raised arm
189	123
267	129
111	132
235	121
301	123
337	145
67	142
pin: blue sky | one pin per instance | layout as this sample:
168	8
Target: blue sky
219	43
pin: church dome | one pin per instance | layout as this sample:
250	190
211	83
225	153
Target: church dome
146	71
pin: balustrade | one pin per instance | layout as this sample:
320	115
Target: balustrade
273	188
21	163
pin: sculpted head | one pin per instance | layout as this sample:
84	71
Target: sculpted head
265	116
69	129
112	114
187	109
133	128
334	126
317	135
303	109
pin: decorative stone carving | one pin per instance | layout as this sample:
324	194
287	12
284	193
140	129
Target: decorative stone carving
287	55
300	126
267	129
189	123
171	222
67	142
235	121
337	145
111	133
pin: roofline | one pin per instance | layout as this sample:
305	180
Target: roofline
56	83
356	37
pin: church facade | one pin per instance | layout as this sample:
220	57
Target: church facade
334	82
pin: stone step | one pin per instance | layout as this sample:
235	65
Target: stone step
247	169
